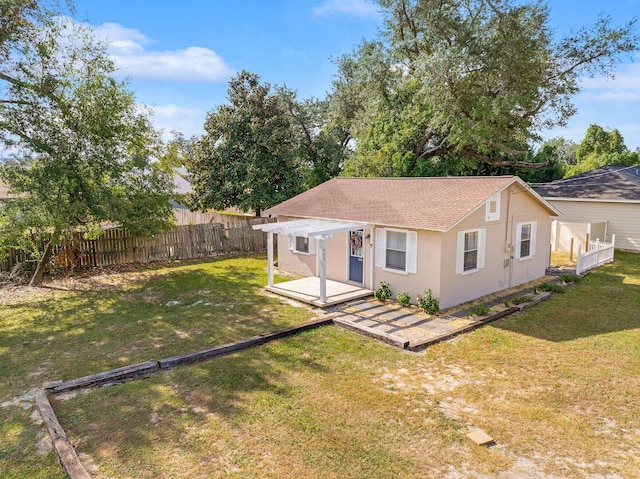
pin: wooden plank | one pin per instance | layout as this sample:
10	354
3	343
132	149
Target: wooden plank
374	333
480	437
64	450
115	375
229	348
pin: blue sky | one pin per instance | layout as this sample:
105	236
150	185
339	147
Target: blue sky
179	55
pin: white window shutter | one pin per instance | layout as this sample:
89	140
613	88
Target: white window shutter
482	241
292	242
412	252
460	253
518	239
380	247
312	245
532	250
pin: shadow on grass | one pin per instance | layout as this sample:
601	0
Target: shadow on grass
184	309
125	422
605	301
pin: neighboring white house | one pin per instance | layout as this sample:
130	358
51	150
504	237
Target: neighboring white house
462	237
600	203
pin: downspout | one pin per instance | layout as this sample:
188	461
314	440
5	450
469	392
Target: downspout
508	247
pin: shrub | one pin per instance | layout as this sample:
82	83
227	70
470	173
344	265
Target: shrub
521	299
569	278
404	299
383	292
556	288
480	310
429	303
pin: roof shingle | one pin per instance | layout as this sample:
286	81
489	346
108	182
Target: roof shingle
424	203
613	183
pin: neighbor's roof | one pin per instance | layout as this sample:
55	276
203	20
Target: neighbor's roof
4	191
423	203
608	183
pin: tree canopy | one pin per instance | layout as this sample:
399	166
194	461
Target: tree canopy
600	147
319	146
78	150
245	159
478	79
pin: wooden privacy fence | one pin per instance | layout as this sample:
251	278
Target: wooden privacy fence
599	253
117	246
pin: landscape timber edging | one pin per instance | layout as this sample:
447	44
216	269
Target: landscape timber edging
112	376
65	452
228	348
421	345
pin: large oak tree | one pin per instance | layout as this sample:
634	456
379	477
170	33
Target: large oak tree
476	79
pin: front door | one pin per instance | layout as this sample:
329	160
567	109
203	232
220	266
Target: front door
356	256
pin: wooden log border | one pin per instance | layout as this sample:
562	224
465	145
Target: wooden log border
63	448
243	343
67	456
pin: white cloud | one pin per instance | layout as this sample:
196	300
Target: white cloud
128	48
356	8
625	87
189	121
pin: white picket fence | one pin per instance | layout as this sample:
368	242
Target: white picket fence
599	253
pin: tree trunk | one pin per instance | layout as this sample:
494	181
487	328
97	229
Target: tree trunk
258	212
36	279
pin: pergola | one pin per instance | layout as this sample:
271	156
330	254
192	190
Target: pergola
307	228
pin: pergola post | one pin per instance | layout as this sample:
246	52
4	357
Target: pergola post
270	257
323	272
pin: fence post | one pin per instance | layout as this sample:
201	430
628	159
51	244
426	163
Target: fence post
579	263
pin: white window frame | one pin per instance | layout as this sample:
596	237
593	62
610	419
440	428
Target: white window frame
482	246
293	245
495	215
411	251
532	240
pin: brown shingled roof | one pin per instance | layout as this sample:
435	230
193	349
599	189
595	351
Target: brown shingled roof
424	203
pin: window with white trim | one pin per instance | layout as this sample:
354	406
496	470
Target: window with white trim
492	211
396	250
525	240
470	259
302	244
470	250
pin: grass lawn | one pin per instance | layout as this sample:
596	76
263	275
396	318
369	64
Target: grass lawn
82	326
556	386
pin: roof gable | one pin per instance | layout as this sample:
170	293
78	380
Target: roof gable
608	183
422	203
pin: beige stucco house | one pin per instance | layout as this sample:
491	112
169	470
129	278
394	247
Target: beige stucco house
462	237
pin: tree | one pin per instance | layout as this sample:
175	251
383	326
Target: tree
477	78
566	150
245	158
81	149
320	147
600	148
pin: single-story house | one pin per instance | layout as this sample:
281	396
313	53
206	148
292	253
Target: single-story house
608	196
461	237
